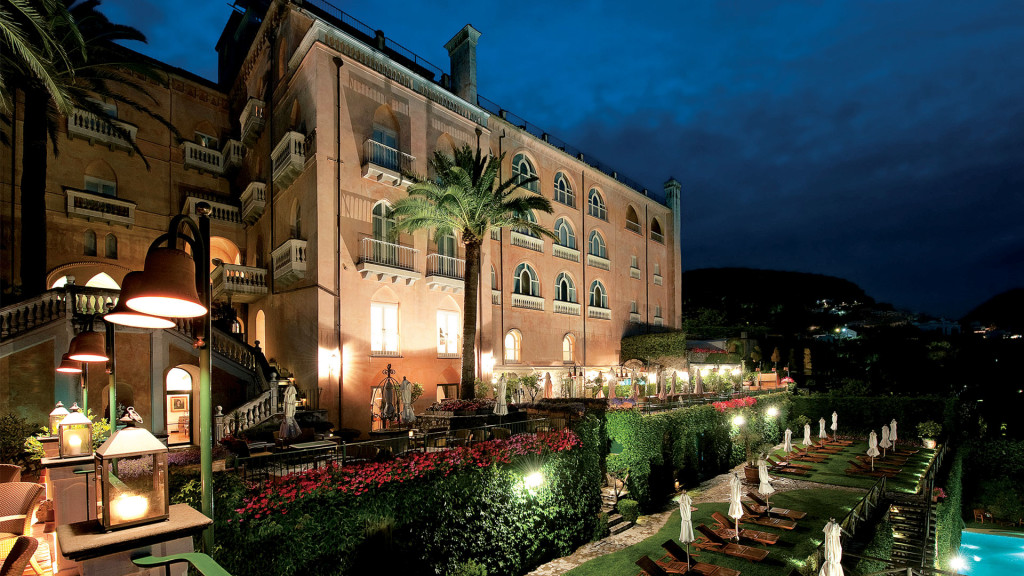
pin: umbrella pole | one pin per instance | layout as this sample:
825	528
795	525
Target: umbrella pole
687	555
737	529
872	463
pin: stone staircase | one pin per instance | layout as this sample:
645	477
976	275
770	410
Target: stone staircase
616	523
913	529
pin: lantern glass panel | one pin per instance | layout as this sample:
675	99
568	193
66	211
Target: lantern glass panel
131	479
74	436
56	416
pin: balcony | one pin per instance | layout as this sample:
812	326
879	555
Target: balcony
289	261
387	262
528	302
98	207
240	284
657	280
219	211
202	158
89	126
496	297
633	227
496	234
657	237
565	253
289	159
526	241
634	317
385	164
598	262
254	200
251	121
445	273
634	272
567	308
599	313
233	153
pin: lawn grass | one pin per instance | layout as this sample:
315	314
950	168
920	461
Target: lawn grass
793	548
833	470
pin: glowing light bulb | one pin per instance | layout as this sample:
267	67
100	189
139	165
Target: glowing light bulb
739	421
957	563
128	507
533	480
773	411
75	442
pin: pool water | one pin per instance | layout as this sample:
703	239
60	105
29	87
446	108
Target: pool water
991	554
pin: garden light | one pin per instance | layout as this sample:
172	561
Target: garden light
957	563
772	411
739	420
533	480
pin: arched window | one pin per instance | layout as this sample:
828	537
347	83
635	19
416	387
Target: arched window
260	338
494	279
532	218
632	220
565	289
297	221
596	245
111	246
596	207
526	281
563	191
90	243
383	222
598	295
568	349
566	237
656	234
513	346
384	142
446	245
523	169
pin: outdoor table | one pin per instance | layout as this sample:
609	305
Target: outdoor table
314	445
260	445
111	552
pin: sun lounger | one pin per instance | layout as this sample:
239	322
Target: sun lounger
784	512
676	552
660	568
712	541
728	532
786	468
772	464
807	456
863	467
887	462
754	517
836	442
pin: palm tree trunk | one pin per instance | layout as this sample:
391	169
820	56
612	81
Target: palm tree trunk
469	306
33	194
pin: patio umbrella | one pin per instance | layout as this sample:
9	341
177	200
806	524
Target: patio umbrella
787	444
833	550
636	387
698	388
611	385
686	524
835	425
405	389
807	435
892	433
547	385
661	386
884	443
735	508
873	448
500	407
765	487
822	435
673	383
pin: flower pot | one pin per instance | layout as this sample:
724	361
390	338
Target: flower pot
929	442
751	473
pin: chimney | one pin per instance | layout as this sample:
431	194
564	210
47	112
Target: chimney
462	51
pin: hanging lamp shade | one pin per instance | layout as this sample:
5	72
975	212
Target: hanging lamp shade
69	366
125	316
88	346
168	286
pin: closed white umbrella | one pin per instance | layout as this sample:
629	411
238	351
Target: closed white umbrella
686	524
833	551
698	388
405	388
765	486
787	444
500	407
835	425
892	433
873	448
884	442
662	393
735	508
807	435
822	435
611	384
674	376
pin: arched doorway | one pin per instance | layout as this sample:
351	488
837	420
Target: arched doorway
178	405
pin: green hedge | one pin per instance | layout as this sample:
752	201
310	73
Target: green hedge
949	522
880	546
647	347
435	525
860	414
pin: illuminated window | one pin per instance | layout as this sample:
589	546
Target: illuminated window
597	245
566	237
563	191
513	346
523	170
447	332
596	207
383	329
568	349
526	281
565	289
598	295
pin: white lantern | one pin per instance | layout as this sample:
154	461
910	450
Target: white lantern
56	416
131	477
74	435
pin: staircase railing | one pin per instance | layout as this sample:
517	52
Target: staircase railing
246	416
226	345
53	305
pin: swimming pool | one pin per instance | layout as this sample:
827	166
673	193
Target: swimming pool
991	554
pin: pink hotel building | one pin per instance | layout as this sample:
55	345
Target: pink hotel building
301	151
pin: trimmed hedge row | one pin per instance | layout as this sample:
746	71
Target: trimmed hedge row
949	522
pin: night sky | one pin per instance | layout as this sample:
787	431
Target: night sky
878	141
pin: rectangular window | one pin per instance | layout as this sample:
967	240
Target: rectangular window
657	269
99	186
447	333
383	329
657	311
207	141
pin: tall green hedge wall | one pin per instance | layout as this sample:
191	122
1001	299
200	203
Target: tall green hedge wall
647	347
949	522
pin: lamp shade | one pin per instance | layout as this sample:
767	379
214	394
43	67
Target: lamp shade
125	316
69	366
88	346
168	286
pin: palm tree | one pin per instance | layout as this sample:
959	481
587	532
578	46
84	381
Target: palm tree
100	70
29	50
466	198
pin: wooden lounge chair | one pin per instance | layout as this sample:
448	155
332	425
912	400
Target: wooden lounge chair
660	568
805	456
784	512
825	449
860	467
712	541
837	442
676	552
889	463
728	533
754	517
786	468
786	464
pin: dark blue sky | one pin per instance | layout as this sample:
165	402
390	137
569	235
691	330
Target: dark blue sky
878	141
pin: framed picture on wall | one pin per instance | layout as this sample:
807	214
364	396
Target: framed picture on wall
179	402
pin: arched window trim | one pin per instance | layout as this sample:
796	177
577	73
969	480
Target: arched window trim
110	246
513	344
566	235
383	222
633	220
596	246
518	280
522	169
657	233
563	190
565	288
598	294
596	206
89	240
569	348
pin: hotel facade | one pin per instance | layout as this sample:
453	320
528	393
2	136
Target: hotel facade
301	150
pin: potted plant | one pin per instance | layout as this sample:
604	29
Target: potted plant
929	430
748	436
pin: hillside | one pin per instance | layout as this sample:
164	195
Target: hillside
1005	311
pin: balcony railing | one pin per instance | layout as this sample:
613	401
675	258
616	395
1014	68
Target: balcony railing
634	317
254	200
496	297
496	234
289	261
83	124
569	308
526	241
528	302
93	206
446	266
633	226
565	252
252	120
219	211
598	262
388	254
657	280
657	237
243	284
599	313
289	159
634	272
202	158
234	153
384	163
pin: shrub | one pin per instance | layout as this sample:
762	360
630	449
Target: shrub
14	430
601	529
630	510
880	546
929	429
469	568
949	521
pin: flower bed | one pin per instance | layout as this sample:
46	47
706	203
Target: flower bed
735	403
455	404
